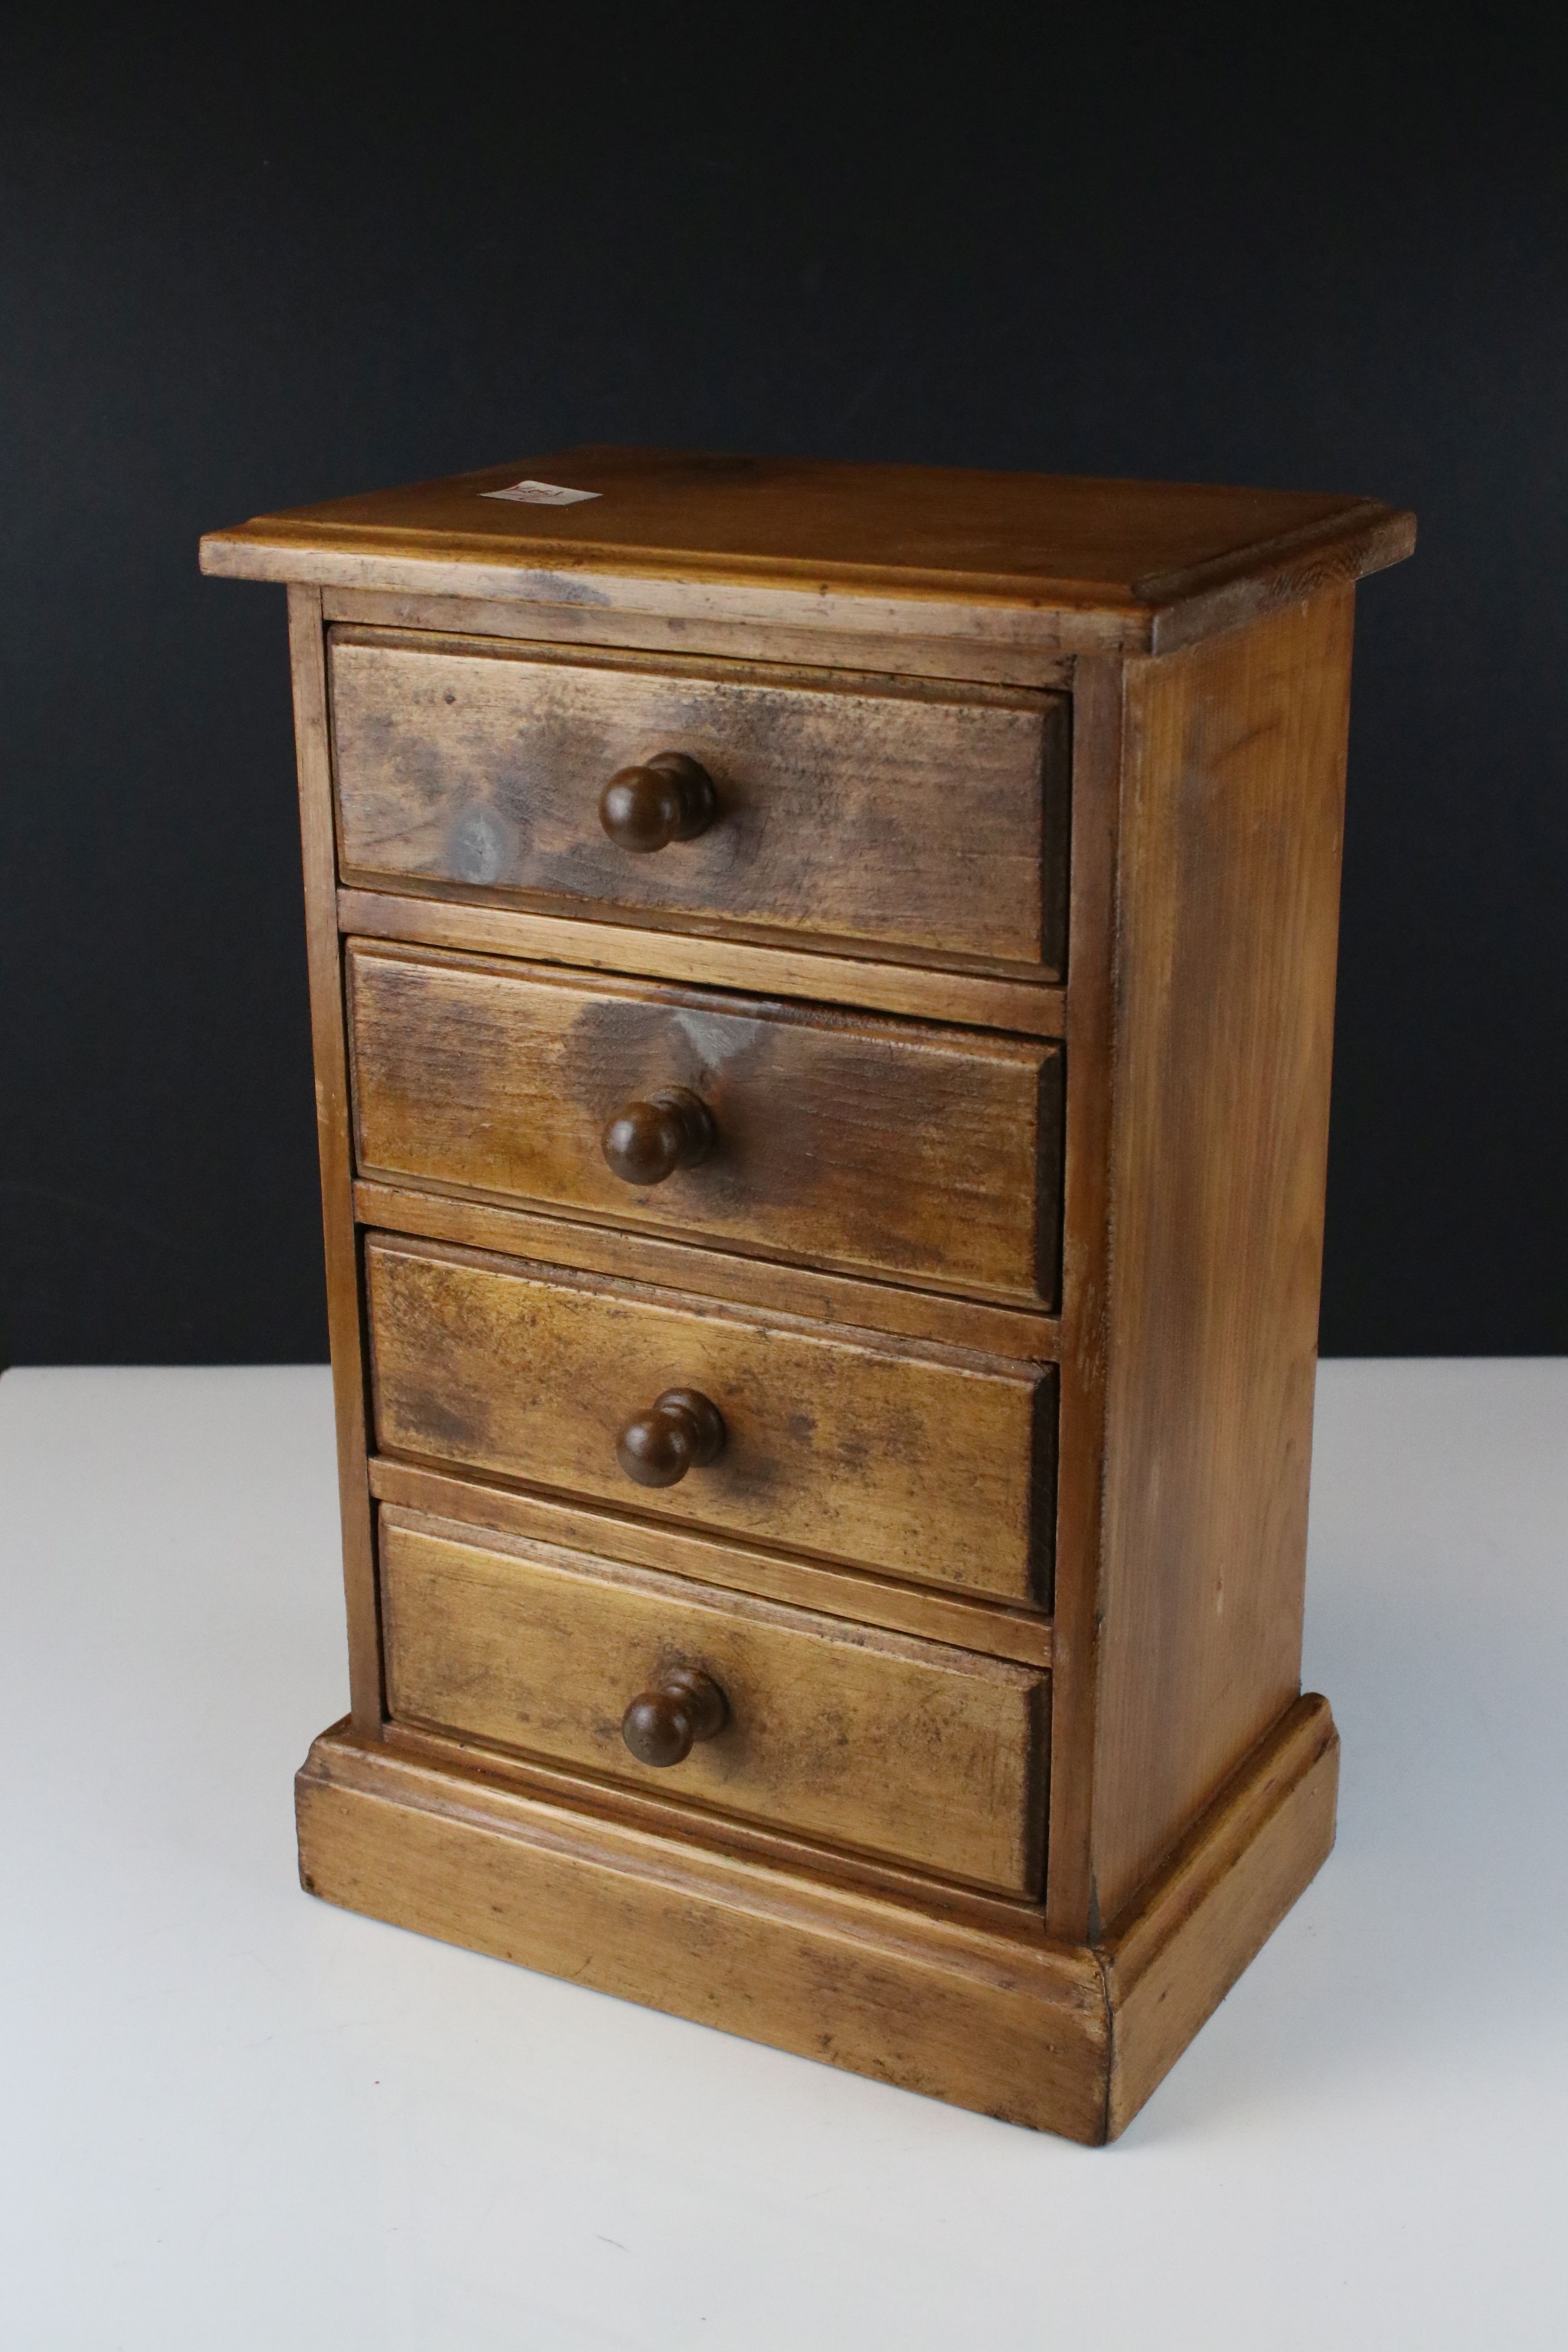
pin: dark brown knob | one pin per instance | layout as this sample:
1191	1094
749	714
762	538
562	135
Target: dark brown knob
650	1141
663	1723
669	799
681	1430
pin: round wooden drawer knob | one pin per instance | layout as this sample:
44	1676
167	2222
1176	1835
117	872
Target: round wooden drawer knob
663	1723
647	1142
681	1430
671	798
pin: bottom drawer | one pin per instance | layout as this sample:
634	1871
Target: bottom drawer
901	1748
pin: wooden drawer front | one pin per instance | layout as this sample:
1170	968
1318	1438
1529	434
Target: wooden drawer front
923	1466
902	1747
911	818
889	1147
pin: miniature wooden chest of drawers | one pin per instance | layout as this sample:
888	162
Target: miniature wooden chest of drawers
822	981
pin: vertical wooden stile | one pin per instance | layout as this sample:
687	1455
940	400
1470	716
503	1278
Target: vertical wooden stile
307	647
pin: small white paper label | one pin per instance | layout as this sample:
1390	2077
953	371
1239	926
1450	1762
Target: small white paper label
542	494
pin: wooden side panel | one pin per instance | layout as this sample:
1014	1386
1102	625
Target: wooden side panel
865	1739
1014	2027
919	1464
1228	896
307	651
927	1153
911	816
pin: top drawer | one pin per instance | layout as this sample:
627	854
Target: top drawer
908	820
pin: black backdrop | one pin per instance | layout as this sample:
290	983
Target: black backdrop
250	261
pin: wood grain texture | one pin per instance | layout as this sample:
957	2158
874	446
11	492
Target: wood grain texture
1075	566
926	1154
479	765
307	660
1171	1960
1228	890
999	2023
865	1738
735	1567
806	1291
1033	1008
921	1463
808	645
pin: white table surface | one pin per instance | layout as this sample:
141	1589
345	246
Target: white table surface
231	2117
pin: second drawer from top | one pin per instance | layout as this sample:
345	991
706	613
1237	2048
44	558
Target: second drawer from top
928	1155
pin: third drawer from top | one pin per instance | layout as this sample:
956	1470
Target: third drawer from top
927	1463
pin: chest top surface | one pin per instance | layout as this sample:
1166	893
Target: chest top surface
1098	550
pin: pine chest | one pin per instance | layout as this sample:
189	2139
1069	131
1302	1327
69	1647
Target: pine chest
822	981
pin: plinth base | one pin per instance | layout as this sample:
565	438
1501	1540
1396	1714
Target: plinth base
1061	2037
